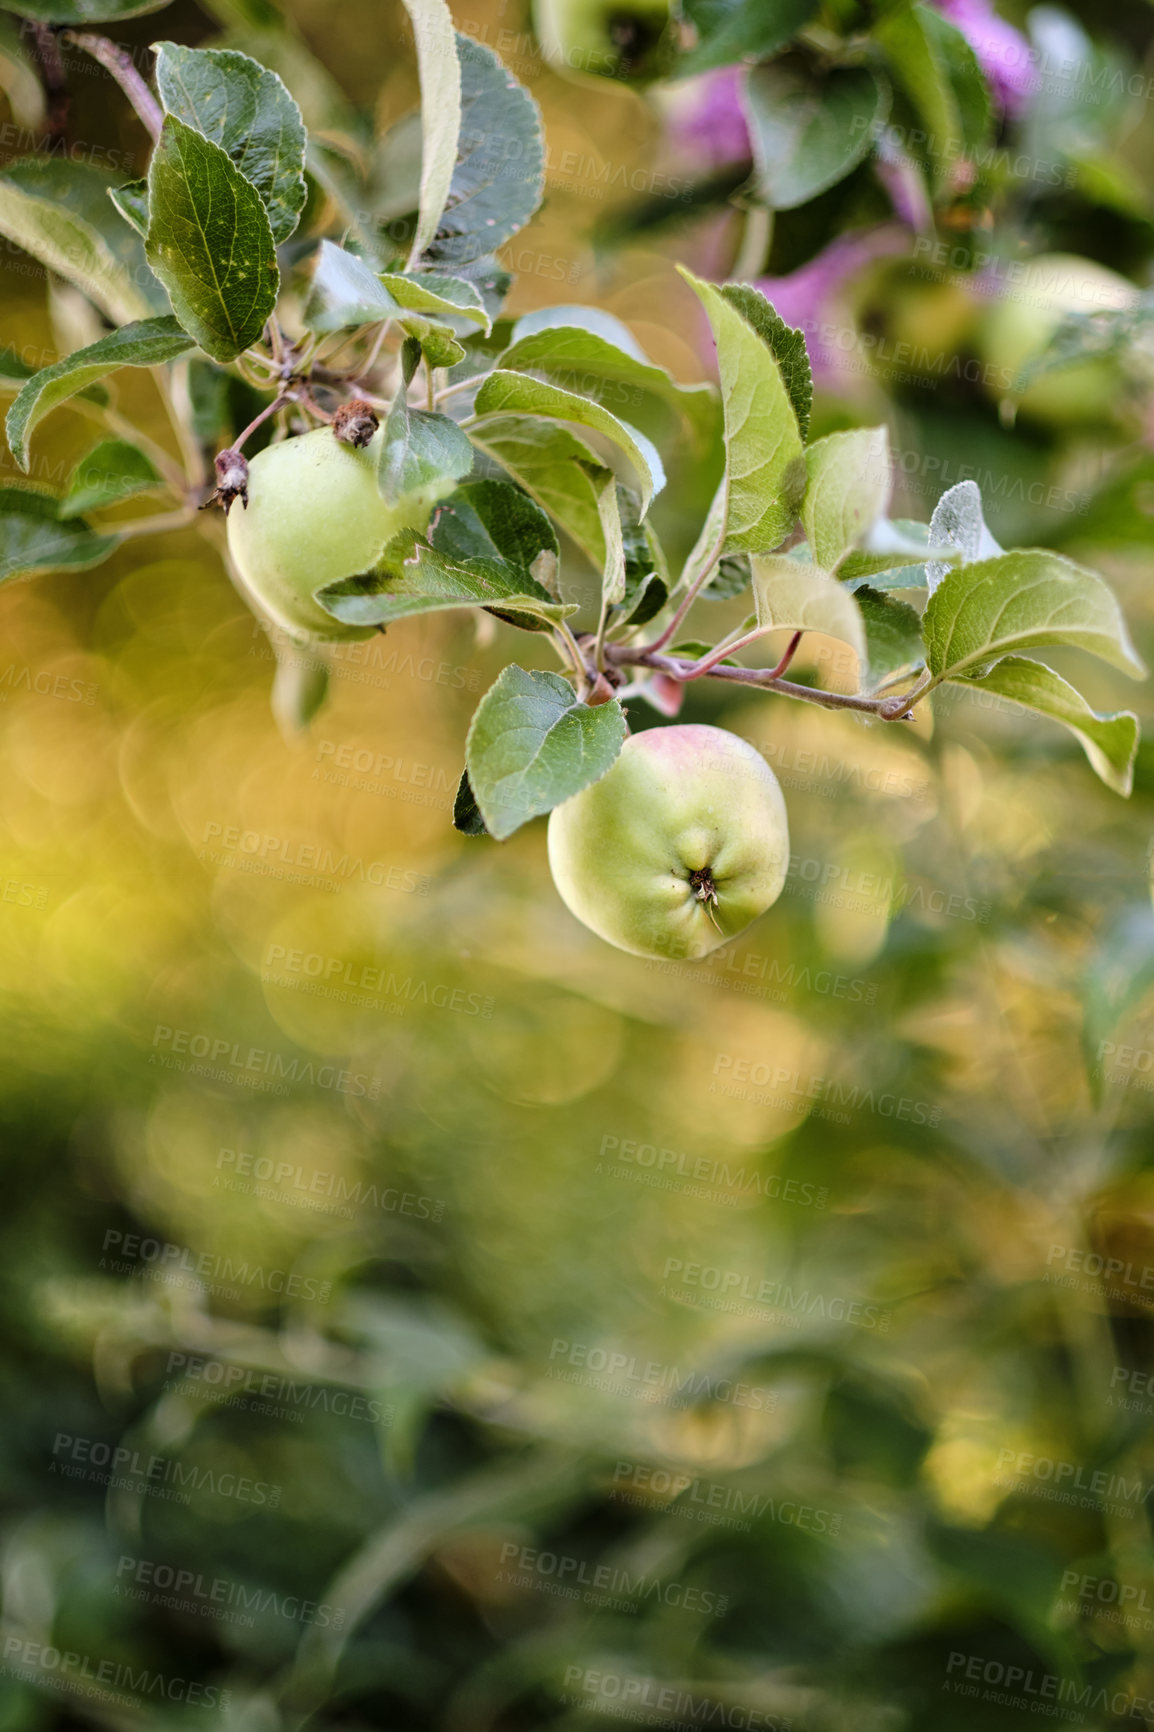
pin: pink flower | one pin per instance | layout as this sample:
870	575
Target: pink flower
1002	53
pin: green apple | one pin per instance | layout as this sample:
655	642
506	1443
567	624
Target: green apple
1020	324
606	38
315	515
677	848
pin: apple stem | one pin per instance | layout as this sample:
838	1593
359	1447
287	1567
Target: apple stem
887	709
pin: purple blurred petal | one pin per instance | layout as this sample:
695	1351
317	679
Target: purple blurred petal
1002	52
706	120
807	297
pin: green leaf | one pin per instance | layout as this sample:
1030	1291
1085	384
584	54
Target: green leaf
731	577
1019	601
809	132
555	467
1108	333
345	293
613	572
785	343
893	555
1110	742
420	447
243	107
499	176
893	634
765	463
440	71
430	292
847	490
958	520
935	66
799	597
112	471
731	30
32	539
131	200
489	546
967	81
60	213
145	343
299	688
413	578
646	568
495	522
82	12
19	77
532	744
209	242
438	343
580	359
505	393
466	812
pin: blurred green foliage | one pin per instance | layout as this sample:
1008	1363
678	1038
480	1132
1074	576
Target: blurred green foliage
423	1316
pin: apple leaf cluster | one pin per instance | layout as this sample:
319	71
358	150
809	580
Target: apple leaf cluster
257	262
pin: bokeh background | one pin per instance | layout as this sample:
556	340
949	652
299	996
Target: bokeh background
421	1315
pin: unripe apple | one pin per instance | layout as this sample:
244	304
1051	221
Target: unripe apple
1019	325
677	848
606	38
315	515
